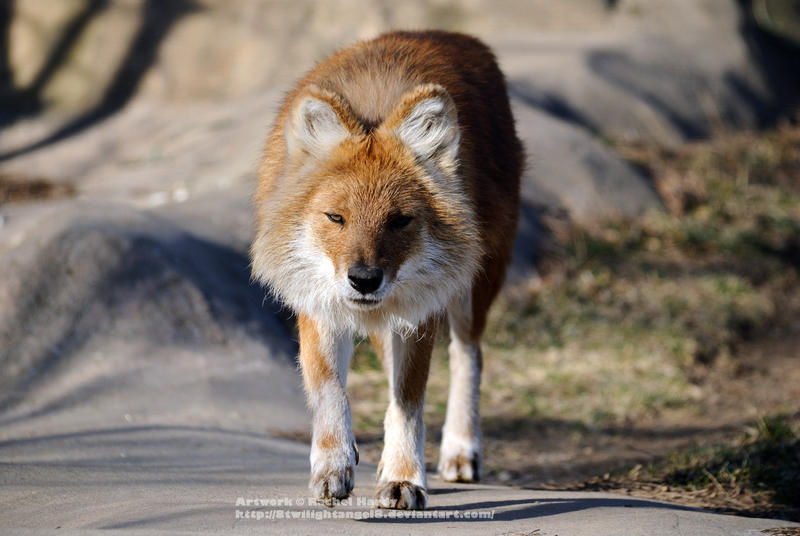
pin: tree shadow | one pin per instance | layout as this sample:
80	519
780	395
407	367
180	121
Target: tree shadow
530	244
778	60
6	78
157	19
551	103
535	507
655	84
28	101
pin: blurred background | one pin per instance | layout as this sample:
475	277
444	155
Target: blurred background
647	340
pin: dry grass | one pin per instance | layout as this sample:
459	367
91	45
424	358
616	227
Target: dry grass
614	329
755	474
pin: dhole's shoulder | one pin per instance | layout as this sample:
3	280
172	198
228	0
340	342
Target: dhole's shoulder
430	44
420	57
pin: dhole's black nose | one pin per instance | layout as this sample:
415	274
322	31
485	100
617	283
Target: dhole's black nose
365	279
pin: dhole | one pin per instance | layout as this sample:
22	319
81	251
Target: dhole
387	196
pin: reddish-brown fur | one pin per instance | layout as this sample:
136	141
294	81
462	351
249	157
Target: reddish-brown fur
370	78
371	178
316	369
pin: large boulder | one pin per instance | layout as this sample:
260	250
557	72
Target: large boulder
572	175
663	72
640	68
112	316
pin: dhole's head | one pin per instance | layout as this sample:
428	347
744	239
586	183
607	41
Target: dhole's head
368	220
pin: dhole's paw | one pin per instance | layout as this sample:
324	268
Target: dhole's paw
460	467
402	495
332	477
333	484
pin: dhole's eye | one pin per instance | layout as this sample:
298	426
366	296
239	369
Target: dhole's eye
335	218
400	221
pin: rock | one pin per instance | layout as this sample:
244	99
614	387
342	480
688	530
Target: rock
568	169
569	174
633	68
119	312
658	72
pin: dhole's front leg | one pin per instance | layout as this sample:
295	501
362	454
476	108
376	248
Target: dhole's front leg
325	358
460	459
401	471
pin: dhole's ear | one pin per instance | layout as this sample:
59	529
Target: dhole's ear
426	122
319	120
